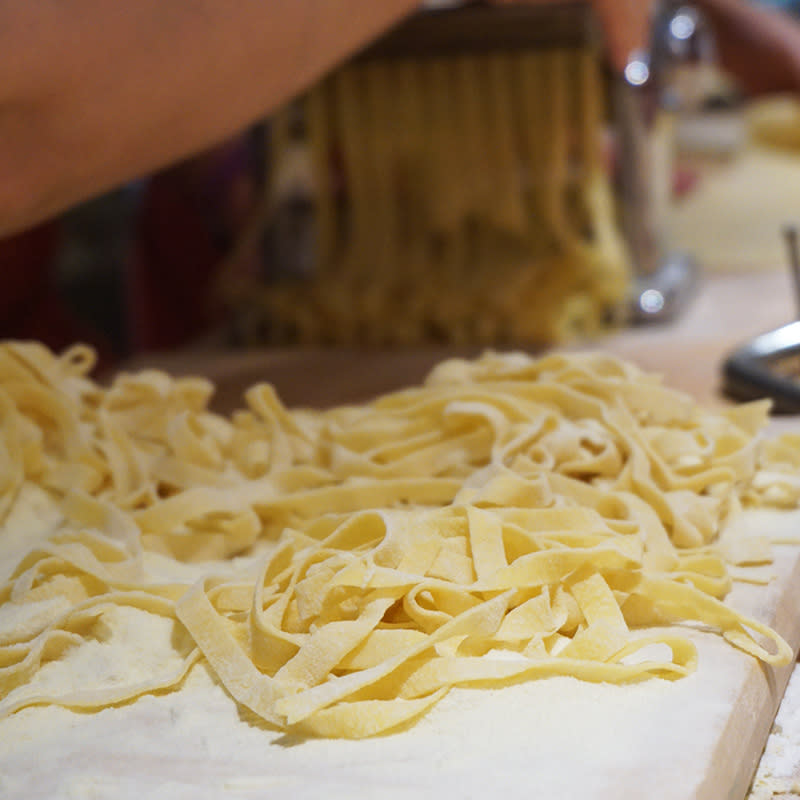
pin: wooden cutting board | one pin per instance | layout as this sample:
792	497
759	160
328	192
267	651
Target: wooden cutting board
697	738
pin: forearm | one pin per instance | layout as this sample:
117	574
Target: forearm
93	93
626	28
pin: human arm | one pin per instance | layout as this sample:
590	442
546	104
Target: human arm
95	93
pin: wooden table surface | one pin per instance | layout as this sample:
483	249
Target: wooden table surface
726	311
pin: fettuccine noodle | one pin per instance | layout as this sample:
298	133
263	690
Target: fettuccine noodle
510	519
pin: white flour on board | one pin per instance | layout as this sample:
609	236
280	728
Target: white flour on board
553	738
555	734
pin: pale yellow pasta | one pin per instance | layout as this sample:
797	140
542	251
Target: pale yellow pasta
510	519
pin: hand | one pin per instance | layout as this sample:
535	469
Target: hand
758	46
626	28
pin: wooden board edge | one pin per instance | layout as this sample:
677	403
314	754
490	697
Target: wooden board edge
741	745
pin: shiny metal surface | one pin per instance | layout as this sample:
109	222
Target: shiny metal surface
661	294
647	96
769	364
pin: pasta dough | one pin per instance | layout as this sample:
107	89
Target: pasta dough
456	198
339	571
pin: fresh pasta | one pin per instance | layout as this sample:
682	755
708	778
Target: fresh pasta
339	571
455	198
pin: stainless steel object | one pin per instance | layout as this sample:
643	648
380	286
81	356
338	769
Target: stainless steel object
769	364
655	86
792	237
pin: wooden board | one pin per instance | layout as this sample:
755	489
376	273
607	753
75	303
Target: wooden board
698	738
687	352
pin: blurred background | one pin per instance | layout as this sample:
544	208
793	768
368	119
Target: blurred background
196	255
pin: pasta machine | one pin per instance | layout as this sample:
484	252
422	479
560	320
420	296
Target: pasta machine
769	364
658	83
640	103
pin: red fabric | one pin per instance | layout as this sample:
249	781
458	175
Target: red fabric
188	218
173	265
25	264
30	306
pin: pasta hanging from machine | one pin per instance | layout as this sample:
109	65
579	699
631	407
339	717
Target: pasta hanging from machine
459	198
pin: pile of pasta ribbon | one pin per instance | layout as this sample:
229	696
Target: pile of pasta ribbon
509	519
